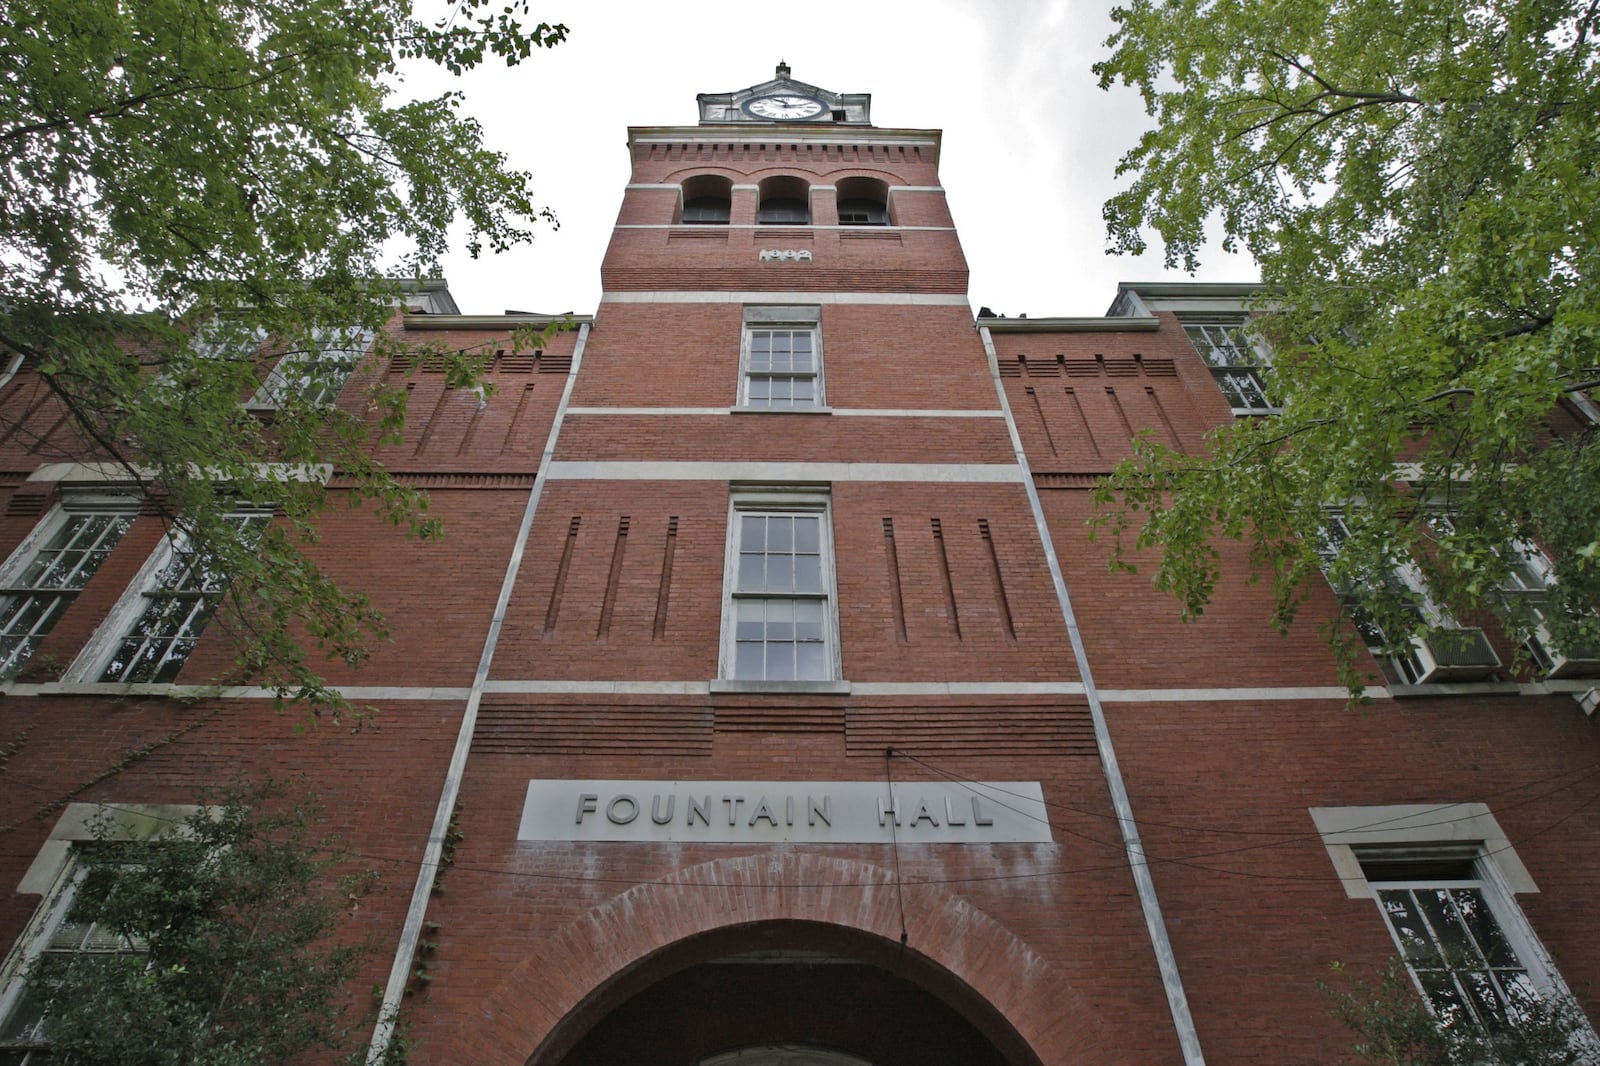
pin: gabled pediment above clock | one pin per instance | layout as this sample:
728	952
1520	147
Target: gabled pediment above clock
785	100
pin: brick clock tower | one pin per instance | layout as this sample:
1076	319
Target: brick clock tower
785	635
785	662
769	703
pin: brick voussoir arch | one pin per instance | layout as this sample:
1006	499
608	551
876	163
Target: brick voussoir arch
599	960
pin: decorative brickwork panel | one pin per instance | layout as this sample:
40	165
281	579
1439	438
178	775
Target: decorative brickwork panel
511	726
978	729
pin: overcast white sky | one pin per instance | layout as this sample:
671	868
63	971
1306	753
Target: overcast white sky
1030	141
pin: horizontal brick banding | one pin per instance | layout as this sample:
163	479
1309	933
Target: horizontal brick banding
1048	729
508	726
780	718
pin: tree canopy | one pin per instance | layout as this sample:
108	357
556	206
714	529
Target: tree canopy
192	188
216	944
1418	182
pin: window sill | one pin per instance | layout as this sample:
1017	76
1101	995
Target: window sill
1453	688
161	690
1256	412
796	688
780	410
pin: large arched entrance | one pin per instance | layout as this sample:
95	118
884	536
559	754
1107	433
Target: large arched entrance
784	993
767	909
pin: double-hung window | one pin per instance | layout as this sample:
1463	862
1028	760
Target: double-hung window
781	358
1446	651
1439	913
1526	592
314	376
162	619
1443	875
66	934
1236	361
779	622
45	574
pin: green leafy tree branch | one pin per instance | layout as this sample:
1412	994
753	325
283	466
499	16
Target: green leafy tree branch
230	943
1419	186
191	191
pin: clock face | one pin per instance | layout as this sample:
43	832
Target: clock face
784	107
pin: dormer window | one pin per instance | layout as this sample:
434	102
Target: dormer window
785	201
707	200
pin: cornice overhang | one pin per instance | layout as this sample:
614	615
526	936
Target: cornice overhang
783	133
1093	324
511	321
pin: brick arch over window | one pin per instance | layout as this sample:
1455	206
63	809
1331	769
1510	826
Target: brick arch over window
862	201
707	200
785	200
581	972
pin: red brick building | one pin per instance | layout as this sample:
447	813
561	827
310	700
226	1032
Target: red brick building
773	698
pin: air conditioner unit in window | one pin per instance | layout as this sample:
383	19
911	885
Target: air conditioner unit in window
1579	661
1454	655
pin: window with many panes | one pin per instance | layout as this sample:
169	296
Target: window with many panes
1526	592
1336	531
1443	876
172	608
43	576
316	375
779	623
1439	914
63	936
1235	361
782	358
1447	651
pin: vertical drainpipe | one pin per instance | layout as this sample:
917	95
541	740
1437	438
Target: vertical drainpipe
406	950
1144	884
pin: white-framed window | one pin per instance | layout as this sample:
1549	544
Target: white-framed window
1526	591
779	622
1444	876
154	628
781	358
315	376
1448	651
10	364
66	938
1236	361
89	841
1458	950
46	572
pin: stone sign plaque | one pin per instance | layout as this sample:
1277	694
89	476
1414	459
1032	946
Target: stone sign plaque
779	812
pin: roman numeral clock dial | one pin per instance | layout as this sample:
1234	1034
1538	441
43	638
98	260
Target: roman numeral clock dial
784	107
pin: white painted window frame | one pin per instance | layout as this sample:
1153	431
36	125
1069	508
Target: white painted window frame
1532	593
779	500
96	655
57	869
291	374
782	317
13	364
1422	657
1448	829
56	520
1253	371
